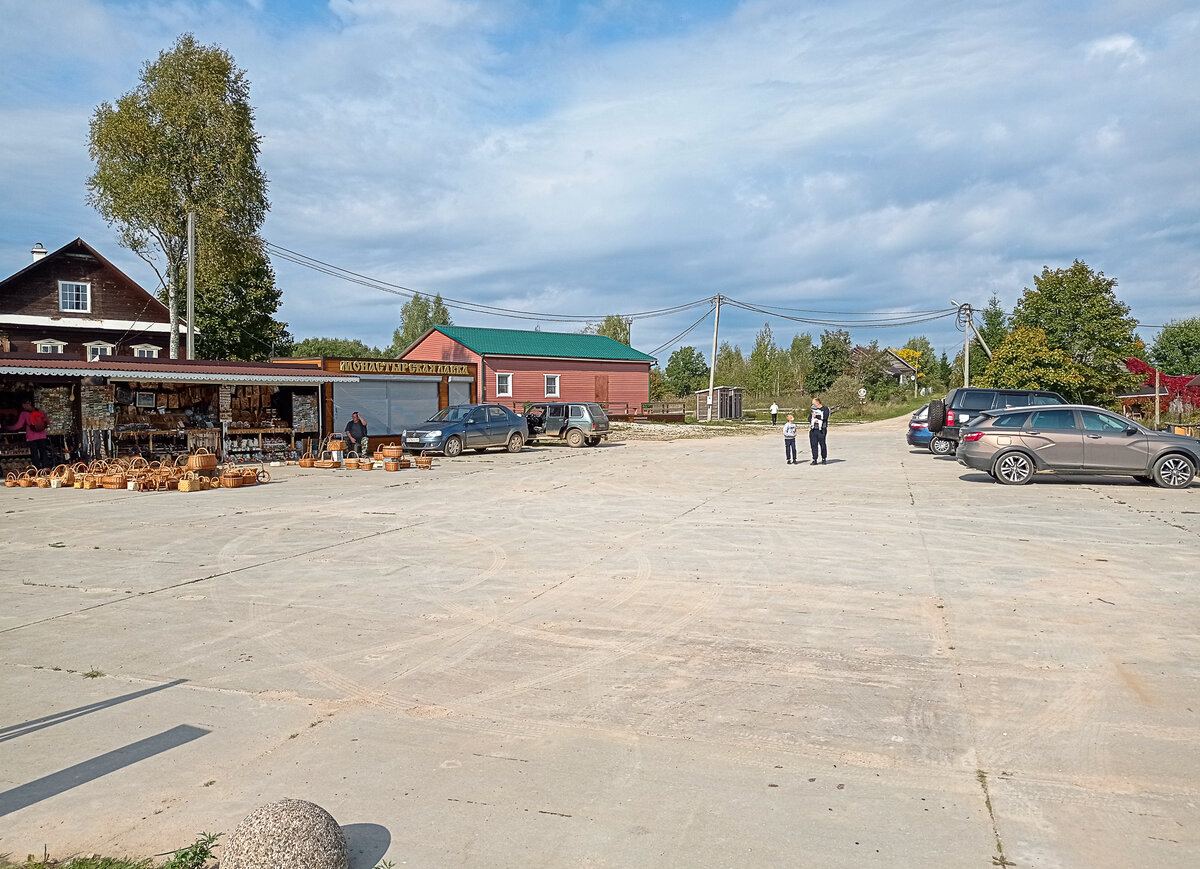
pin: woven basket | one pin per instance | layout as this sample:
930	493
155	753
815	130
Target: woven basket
114	480
366	464
327	461
391	464
308	460
351	461
201	460
64	474
392	451
335	445
91	481
249	476
424	462
193	482
232	478
10	481
405	463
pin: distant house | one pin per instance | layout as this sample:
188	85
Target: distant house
517	366
897	369
74	302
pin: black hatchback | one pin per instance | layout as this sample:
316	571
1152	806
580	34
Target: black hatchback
948	418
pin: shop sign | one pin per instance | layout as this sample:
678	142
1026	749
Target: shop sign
388	366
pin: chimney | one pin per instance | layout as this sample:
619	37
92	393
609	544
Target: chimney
38	251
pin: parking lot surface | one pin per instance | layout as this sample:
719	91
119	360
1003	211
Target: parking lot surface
645	654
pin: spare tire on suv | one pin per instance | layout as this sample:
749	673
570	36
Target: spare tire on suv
937	415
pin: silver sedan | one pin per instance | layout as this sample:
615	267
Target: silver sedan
1015	443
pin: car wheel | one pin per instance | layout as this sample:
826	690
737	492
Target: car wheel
941	446
516	442
574	438
453	447
1013	469
1174	472
591	442
937	415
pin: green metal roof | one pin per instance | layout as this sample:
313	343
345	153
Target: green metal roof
519	342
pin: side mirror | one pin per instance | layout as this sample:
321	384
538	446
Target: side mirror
468	422
1131	430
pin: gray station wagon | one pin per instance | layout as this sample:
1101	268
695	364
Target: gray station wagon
1014	444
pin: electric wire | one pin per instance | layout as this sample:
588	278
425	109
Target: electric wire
684	333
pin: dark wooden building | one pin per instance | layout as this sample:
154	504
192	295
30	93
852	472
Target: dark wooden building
75	303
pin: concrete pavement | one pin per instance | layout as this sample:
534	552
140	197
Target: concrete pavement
639	655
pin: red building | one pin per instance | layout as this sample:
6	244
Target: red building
517	366
74	302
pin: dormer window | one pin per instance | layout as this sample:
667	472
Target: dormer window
49	345
96	349
146	351
74	296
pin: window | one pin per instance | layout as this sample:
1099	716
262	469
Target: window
1044	399
504	385
551	386
557	410
73	296
49	345
1102	422
1060	419
96	349
1010	420
973	399
497	414
146	351
577	411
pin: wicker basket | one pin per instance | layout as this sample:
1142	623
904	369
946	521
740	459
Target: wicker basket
351	461
10	481
391	464
249	476
193	482
335	445
64	474
308	460
327	461
405	463
114	480
392	451
366	464
201	460
424	462
91	481
231	478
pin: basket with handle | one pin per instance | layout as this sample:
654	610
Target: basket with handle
201	460
351	460
114	480
335	444
27	478
231	478
391	464
65	475
249	476
42	480
192	482
424	462
308	460
327	461
91	481
10	481
366	463
392	451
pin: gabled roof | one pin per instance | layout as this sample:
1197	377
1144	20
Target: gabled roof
80	247
520	342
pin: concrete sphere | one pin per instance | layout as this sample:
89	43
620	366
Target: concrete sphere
292	833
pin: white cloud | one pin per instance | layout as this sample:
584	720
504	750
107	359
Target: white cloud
1121	46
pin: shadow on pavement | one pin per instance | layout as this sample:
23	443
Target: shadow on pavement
36	724
366	844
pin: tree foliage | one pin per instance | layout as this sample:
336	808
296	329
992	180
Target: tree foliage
234	301
1025	360
658	385
613	326
830	360
764	364
1079	313
182	140
731	366
798	363
346	347
1176	349
686	372
416	316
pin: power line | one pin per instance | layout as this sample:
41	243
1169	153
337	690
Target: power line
684	333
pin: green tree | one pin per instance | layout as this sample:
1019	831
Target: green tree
764	364
871	364
349	347
658	385
798	363
686	372
182	140
416	316
1025	360
993	328
613	326
731	366
927	364
1080	314
831	360
234	301
945	370
1176	349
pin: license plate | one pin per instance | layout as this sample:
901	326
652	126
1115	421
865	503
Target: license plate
414	440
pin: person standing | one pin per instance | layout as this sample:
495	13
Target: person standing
789	440
818	424
35	424
356	434
774	412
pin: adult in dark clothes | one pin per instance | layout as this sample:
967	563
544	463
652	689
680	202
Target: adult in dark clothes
356	434
818	425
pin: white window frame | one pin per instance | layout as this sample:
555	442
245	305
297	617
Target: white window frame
93	349
508	390
87	290
58	346
557	378
146	351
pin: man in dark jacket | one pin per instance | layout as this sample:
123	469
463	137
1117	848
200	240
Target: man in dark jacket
818	424
356	435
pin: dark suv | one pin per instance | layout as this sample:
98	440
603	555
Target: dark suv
576	422
947	418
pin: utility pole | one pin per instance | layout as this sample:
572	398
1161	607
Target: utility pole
191	285
967	346
712	368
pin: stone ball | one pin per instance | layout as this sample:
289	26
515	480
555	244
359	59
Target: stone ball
293	833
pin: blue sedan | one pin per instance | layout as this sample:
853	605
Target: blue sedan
474	426
918	428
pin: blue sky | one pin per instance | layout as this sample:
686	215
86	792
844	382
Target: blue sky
622	155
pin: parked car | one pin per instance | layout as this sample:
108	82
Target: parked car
918	428
1015	443
468	426
948	417
577	423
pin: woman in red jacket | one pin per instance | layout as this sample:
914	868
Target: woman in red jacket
35	424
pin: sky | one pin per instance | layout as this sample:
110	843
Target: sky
620	156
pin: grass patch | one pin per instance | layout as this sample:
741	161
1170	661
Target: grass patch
93	674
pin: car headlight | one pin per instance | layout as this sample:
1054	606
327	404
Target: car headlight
432	434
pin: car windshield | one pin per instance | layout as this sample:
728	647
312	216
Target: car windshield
452	414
